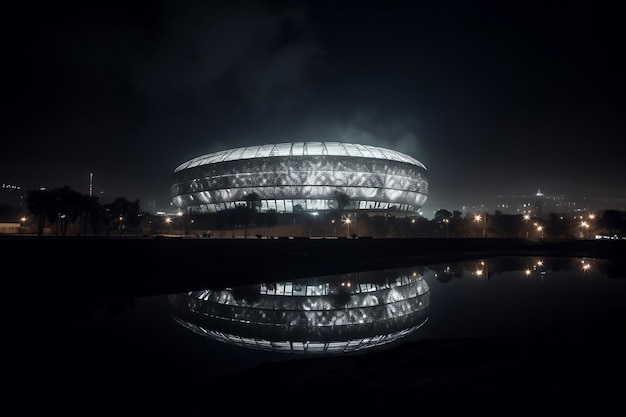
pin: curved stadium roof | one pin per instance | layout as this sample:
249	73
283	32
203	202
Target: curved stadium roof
301	176
300	149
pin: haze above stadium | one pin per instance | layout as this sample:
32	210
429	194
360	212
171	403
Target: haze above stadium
495	98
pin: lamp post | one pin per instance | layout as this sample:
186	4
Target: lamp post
589	223
347	221
485	226
182	222
584	226
478	218
526	218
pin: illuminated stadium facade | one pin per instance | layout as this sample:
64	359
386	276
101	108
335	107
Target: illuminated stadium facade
327	315
301	176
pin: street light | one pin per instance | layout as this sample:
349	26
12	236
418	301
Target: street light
589	223
585	227
526	218
347	221
478	218
540	230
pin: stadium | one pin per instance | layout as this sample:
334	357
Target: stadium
301	177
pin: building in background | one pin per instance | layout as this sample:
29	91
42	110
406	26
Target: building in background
538	204
12	195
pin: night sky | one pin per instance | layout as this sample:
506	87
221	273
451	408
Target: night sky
493	97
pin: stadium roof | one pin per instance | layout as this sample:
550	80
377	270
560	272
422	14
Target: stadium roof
300	149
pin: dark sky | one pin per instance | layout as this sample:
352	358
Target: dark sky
493	97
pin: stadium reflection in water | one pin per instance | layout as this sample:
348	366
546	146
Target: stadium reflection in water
321	315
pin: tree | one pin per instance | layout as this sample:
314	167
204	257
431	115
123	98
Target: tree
60	206
91	206
73	207
63	206
240	215
96	215
378	225
124	214
443	218
442	214
222	218
342	200
271	219
456	224
253	201
612	220
248	213
38	203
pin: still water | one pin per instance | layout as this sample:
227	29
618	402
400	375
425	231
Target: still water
220	331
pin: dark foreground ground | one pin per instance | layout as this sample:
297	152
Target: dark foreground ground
149	266
561	371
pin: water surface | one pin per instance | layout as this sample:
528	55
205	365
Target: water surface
175	337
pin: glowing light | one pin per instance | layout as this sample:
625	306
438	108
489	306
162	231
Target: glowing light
346	220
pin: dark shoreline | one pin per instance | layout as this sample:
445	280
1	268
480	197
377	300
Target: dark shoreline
150	266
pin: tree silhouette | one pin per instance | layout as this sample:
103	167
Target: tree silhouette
240	215
342	200
443	218
612	220
72	207
63	206
253	201
443	214
124	214
271	218
95	216
457	225
38	203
